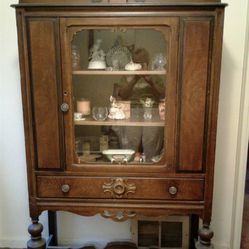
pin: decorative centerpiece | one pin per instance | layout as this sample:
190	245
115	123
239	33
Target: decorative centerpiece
118	56
97	56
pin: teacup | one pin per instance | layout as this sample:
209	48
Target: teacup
77	115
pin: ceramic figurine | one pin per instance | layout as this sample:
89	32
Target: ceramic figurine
147	105
148	102
97	56
115	111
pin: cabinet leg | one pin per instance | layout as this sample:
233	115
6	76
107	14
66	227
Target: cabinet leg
205	236
36	241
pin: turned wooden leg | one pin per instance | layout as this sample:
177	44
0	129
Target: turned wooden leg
205	236
36	241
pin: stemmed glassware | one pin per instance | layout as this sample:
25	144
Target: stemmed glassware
100	112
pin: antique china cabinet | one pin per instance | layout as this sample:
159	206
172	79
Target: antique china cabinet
120	103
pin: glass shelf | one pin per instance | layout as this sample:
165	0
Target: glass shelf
129	122
106	72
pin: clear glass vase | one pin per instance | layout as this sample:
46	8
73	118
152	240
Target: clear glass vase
147	113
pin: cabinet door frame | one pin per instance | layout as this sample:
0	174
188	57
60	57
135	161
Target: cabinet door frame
172	23
194	94
44	88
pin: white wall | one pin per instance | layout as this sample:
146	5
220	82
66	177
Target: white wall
228	120
14	216
13	187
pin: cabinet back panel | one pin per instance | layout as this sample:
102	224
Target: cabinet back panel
194	83
44	79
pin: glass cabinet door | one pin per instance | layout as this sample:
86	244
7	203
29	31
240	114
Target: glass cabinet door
119	83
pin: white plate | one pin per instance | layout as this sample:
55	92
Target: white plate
120	54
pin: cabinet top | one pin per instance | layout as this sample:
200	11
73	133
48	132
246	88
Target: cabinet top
116	2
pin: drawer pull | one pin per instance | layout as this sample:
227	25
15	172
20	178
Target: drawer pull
65	188
173	190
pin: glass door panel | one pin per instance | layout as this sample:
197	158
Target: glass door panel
119	77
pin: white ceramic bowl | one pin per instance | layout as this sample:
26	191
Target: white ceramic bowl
119	155
97	65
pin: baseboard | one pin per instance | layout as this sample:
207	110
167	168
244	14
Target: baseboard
10	243
14	243
21	243
219	246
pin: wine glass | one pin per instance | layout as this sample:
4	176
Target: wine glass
159	62
100	112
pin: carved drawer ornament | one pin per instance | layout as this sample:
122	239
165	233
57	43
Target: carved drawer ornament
119	188
119	215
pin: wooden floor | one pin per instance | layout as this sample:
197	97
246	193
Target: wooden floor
245	226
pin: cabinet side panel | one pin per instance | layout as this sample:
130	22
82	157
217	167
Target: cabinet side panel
45	85
194	83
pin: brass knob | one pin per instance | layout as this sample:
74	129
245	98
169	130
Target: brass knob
119	188
173	190
65	188
64	107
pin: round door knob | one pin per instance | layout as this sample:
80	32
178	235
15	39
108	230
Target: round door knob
64	107
65	188
173	190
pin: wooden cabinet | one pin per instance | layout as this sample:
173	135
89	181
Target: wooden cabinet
147	150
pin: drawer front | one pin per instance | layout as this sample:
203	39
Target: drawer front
120	188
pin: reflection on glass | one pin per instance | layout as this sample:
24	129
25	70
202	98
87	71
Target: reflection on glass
119	95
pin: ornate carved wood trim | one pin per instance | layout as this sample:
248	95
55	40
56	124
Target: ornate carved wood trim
119	188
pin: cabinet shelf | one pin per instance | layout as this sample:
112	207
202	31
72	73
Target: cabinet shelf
104	72
127	122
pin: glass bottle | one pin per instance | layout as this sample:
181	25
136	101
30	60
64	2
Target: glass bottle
75	57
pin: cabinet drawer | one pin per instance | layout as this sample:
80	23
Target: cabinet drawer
120	188
146	1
